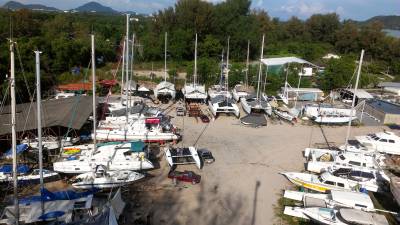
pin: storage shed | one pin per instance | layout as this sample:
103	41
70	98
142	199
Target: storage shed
385	112
304	94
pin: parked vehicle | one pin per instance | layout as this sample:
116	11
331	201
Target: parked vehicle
204	118
206	156
185	176
180	111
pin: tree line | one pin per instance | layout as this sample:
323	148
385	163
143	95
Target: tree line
64	40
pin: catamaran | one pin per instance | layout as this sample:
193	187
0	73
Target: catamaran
114	157
165	89
243	90
220	97
194	91
103	179
257	103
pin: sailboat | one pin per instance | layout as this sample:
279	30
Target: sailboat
165	90
257	103
220	97
101	178
194	91
243	90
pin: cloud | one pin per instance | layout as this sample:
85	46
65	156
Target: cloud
304	9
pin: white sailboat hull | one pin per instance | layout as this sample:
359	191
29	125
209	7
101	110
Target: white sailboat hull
131	135
114	180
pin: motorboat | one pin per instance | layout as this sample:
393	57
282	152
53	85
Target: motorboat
165	90
327	181
103	179
115	157
342	216
147	130
368	179
194	91
221	104
183	156
319	160
334	199
384	142
58	206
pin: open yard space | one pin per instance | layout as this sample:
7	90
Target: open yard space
243	184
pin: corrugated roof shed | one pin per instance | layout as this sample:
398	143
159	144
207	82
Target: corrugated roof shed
362	94
67	112
389	84
284	60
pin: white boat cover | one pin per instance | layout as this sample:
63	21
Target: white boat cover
360	217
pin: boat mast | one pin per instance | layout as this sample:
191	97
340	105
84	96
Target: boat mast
227	68
128	82
123	71
260	68
354	98
247	64
13	133
131	74
165	57
222	67
94	93
195	63
39	122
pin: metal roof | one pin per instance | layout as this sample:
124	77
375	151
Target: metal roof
284	60
310	90
363	94
389	84
384	106
70	112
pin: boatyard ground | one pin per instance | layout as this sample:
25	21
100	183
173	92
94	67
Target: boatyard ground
242	186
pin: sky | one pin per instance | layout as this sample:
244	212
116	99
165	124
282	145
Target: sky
283	9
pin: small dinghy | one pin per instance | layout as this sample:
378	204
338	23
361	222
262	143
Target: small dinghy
103	179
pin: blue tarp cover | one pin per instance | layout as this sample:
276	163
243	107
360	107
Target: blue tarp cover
137	146
47	195
20	148
22	168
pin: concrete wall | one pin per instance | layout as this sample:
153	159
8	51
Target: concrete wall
392	118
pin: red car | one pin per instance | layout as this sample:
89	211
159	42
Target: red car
204	119
186	176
